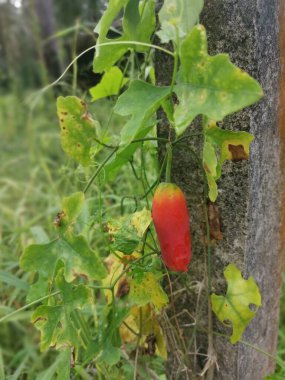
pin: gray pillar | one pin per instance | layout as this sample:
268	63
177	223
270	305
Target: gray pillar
250	200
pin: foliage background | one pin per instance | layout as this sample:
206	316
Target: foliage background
34	172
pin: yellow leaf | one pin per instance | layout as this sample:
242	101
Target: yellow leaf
141	221
148	290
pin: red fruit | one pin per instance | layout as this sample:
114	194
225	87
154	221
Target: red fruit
171	220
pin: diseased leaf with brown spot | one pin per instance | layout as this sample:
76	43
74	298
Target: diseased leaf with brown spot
78	129
238	152
214	221
221	145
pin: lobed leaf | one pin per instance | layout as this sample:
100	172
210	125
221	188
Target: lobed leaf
141	100
235	305
221	145
73	251
211	86
56	322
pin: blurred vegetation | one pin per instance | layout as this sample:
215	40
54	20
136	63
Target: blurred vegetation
38	38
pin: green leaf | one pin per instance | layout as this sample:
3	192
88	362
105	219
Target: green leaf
211	86
147	290
221	145
63	369
110	84
73	251
55	322
177	18
125	154
110	355
235	305
141	100
126	233
138	25
78	129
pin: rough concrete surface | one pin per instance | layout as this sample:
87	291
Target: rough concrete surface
250	192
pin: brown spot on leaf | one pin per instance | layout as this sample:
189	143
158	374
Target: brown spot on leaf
123	288
58	219
214	221
64	113
40	319
238	152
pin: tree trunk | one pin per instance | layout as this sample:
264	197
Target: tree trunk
46	24
250	204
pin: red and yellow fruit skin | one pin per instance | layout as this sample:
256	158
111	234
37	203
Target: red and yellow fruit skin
171	220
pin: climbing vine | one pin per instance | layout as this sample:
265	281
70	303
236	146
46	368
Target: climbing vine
103	309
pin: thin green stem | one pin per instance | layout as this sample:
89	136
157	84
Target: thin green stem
168	163
44	89
99	169
177	141
7	316
138	344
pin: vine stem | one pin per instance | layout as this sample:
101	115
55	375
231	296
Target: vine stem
93	47
168	163
28	305
138	344
99	169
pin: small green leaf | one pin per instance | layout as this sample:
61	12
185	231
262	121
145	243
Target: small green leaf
78	129
126	233
177	18
147	290
125	154
125	240
63	369
141	100
110	355
235	305
211	86
138	25
110	84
